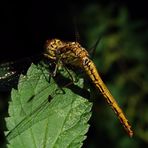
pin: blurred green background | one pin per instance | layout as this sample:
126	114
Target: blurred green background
121	57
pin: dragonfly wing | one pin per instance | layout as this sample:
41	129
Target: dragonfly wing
10	71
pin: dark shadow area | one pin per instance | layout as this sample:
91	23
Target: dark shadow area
64	82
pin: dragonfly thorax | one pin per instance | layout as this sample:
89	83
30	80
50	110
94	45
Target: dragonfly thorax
68	52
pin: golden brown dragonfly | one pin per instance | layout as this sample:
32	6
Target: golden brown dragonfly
74	54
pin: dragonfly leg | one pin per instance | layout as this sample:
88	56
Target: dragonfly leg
42	64
57	63
55	70
73	79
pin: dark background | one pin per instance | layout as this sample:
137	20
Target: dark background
25	25
121	55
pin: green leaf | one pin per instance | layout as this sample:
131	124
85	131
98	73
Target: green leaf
37	122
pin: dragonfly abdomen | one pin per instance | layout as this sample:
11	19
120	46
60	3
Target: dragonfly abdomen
90	69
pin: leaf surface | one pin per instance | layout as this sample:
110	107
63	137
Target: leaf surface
37	122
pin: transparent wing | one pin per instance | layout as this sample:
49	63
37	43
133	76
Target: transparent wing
10	71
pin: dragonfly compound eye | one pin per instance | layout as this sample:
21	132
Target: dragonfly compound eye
51	47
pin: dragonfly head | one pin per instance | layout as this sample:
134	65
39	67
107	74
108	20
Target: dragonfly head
51	48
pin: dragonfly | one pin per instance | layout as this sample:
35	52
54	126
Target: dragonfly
72	53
